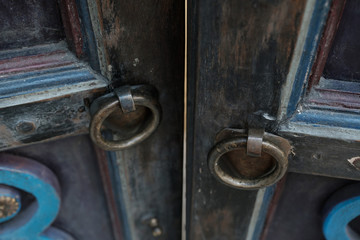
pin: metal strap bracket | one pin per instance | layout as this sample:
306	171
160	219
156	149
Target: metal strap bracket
255	142
125	99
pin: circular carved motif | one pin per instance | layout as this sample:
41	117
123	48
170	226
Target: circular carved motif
8	206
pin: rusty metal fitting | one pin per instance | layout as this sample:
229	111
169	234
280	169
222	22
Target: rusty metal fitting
236	139
124	99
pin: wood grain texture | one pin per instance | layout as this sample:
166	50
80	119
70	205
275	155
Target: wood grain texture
145	44
240	55
325	156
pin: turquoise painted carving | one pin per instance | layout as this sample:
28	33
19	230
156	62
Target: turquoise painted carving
341	208
33	221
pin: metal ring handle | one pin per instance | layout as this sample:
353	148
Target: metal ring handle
232	144
107	104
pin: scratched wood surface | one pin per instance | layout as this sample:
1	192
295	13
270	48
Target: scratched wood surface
240	53
145	44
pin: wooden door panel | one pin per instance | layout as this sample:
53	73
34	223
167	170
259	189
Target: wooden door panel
116	43
321	121
239	55
144	41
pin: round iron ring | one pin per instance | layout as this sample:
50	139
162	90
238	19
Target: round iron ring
237	181
107	104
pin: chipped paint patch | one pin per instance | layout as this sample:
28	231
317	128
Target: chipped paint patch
136	62
355	162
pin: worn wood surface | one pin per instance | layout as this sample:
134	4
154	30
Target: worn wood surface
145	44
332	24
343	63
240	53
109	183
43	94
83	211
334	94
72	27
324	156
28	23
324	129
299	212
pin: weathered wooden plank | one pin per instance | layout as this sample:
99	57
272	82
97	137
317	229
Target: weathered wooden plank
326	156
242	51
42	94
145	44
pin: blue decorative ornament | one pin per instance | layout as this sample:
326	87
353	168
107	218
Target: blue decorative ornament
33	222
340	209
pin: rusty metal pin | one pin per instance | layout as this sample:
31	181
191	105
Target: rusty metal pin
255	142
157	232
153	222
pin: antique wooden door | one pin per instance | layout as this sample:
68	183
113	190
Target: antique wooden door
258	69
64	67
173	119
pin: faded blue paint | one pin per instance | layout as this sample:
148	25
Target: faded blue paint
268	196
318	118
335	225
88	34
14	77
313	37
32	51
37	180
20	85
119	194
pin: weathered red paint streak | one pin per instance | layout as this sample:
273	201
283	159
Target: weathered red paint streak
34	67
34	62
336	98
326	41
71	21
272	208
110	196
20	58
